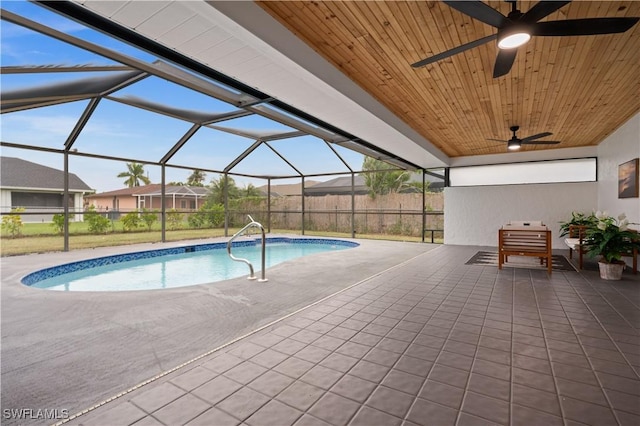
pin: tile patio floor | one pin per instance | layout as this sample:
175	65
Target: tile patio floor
434	342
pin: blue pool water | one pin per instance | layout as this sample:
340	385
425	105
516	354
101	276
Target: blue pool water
175	267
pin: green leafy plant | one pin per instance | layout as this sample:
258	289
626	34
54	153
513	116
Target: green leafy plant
131	221
577	218
174	219
610	238
12	223
149	218
58	222
98	224
210	215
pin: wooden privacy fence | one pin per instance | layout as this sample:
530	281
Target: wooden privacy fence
396	214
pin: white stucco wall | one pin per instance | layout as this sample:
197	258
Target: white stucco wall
621	146
473	215
5	200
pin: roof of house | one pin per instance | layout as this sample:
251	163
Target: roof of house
287	188
342	185
21	174
156	189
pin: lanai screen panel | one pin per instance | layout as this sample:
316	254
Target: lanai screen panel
210	149
159	91
309	154
117	129
264	162
46	127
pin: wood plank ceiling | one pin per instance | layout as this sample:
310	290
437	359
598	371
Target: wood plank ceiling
579	88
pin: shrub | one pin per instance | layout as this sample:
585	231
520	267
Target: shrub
213	214
12	223
196	220
149	218
58	223
174	219
98	224
209	215
131	221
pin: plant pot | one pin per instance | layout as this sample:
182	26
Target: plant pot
611	271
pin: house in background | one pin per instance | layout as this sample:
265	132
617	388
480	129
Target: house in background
39	190
179	197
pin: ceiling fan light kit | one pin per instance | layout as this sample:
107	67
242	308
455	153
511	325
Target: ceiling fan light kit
513	36
513	145
517	28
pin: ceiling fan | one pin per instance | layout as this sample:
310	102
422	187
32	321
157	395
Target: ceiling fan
516	29
515	142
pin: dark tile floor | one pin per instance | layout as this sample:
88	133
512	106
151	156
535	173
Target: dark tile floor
432	342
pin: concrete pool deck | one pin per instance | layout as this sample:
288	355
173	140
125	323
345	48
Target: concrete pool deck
417	337
73	350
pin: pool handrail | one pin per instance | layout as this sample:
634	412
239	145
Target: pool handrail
252	224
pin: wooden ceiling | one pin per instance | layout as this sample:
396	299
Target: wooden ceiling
581	89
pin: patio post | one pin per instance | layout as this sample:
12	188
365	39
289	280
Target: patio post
163	208
269	205
225	193
353	205
65	201
302	194
424	200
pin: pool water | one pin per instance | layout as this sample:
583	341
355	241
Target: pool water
193	265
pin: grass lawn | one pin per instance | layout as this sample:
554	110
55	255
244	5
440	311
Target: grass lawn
42	237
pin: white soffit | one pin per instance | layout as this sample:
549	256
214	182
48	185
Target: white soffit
239	39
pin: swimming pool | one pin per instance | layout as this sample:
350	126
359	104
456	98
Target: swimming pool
175	267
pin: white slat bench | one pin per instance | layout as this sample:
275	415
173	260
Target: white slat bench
532	241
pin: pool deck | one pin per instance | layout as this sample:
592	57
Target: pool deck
409	335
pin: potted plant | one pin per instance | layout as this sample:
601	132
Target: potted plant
577	218
610	239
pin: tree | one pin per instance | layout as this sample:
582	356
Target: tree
217	190
383	178
196	178
134	175
251	191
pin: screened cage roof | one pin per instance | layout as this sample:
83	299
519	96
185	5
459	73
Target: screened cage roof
232	117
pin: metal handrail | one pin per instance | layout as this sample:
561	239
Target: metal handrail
252	224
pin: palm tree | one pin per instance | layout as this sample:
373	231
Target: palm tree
383	178
217	189
196	178
251	191
134	175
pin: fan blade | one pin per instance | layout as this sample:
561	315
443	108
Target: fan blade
538	136
480	11
504	62
540	142
454	51
587	26
541	10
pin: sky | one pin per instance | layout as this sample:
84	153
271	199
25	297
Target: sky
119	130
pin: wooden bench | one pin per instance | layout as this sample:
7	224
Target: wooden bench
525	241
575	241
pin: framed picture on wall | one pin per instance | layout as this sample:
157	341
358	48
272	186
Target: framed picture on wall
628	179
